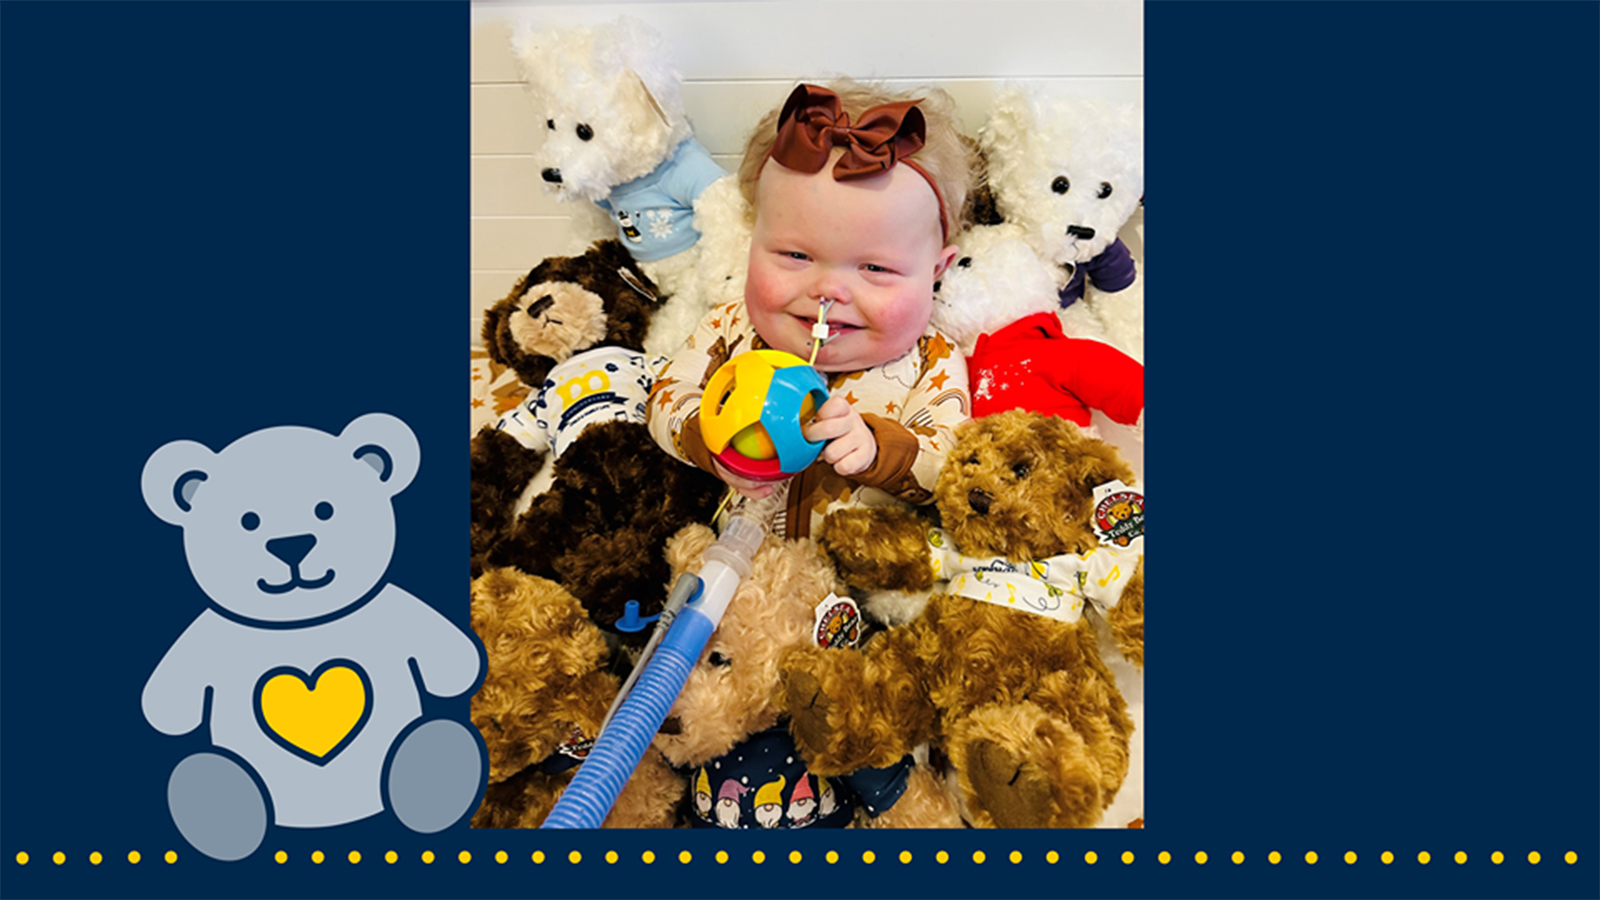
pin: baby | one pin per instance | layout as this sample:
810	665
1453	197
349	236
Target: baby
855	194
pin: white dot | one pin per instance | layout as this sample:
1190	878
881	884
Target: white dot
789	760
744	779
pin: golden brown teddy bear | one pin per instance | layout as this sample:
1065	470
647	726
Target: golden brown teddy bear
725	733
545	693
1012	687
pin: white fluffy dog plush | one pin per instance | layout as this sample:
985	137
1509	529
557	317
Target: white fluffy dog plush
1068	173
616	135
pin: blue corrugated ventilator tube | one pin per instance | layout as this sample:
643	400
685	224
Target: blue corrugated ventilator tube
693	609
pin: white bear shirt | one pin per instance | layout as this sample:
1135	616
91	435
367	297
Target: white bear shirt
600	385
319	745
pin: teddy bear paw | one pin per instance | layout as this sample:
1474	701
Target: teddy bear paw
808	706
1023	790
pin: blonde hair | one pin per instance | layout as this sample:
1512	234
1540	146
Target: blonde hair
947	156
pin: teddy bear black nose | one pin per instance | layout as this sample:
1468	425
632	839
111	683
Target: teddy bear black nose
551	175
673	725
1078	231
292	549
979	501
540	305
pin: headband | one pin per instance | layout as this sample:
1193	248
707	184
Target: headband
812	124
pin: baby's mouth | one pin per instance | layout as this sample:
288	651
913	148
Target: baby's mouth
834	328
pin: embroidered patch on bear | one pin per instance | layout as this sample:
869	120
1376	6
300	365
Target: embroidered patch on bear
837	623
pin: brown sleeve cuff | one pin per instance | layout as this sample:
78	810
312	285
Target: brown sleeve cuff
897	451
693	443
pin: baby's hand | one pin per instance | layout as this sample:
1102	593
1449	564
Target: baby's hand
753	490
851	447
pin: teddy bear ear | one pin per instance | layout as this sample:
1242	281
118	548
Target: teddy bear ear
172	476
388	445
1010	117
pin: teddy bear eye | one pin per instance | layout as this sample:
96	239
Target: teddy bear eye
717	659
585	132
1021	470
964	262
1060	185
550	124
250	521
1105	190
972	460
324	510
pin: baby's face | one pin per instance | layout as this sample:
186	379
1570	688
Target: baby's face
872	245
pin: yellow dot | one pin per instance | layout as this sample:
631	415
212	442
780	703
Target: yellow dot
648	857
794	856
1387	857
758	857
22	858
391	857
1127	857
722	856
685	857
538	856
95	857
1238	857
1533	857
172	856
1091	857
134	857
905	856
501	856
1461	857
1016	857
869	857
978	857
317	857
1571	857
1423	857
832	857
942	857
574	857
1274	857
281	857
355	856
59	857
1311	857
465	856
1164	857
611	856
1497	857
1052	857
427	857
1350	857
1200	857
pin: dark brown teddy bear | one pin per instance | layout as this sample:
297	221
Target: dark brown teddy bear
572	329
1012	687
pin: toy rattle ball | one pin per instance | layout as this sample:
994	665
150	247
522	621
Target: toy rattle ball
752	410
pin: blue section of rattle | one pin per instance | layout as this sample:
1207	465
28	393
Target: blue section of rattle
780	415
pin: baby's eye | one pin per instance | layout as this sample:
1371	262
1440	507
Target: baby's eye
795	254
874	267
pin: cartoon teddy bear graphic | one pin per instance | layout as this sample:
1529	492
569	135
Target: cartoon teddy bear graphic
301	668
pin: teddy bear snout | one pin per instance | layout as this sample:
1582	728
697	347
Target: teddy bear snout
292	550
1080	231
540	305
551	175
672	726
979	500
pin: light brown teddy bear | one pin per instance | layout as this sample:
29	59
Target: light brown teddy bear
725	730
1001	670
545	693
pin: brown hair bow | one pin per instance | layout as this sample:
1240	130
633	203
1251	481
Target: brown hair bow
812	124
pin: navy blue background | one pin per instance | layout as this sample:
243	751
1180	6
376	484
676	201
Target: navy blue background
1373	386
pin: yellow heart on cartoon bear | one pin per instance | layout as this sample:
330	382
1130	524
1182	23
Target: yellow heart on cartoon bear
315	719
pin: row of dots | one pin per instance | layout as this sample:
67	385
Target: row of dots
832	856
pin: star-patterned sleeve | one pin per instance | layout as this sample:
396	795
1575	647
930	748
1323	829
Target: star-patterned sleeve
674	412
914	432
